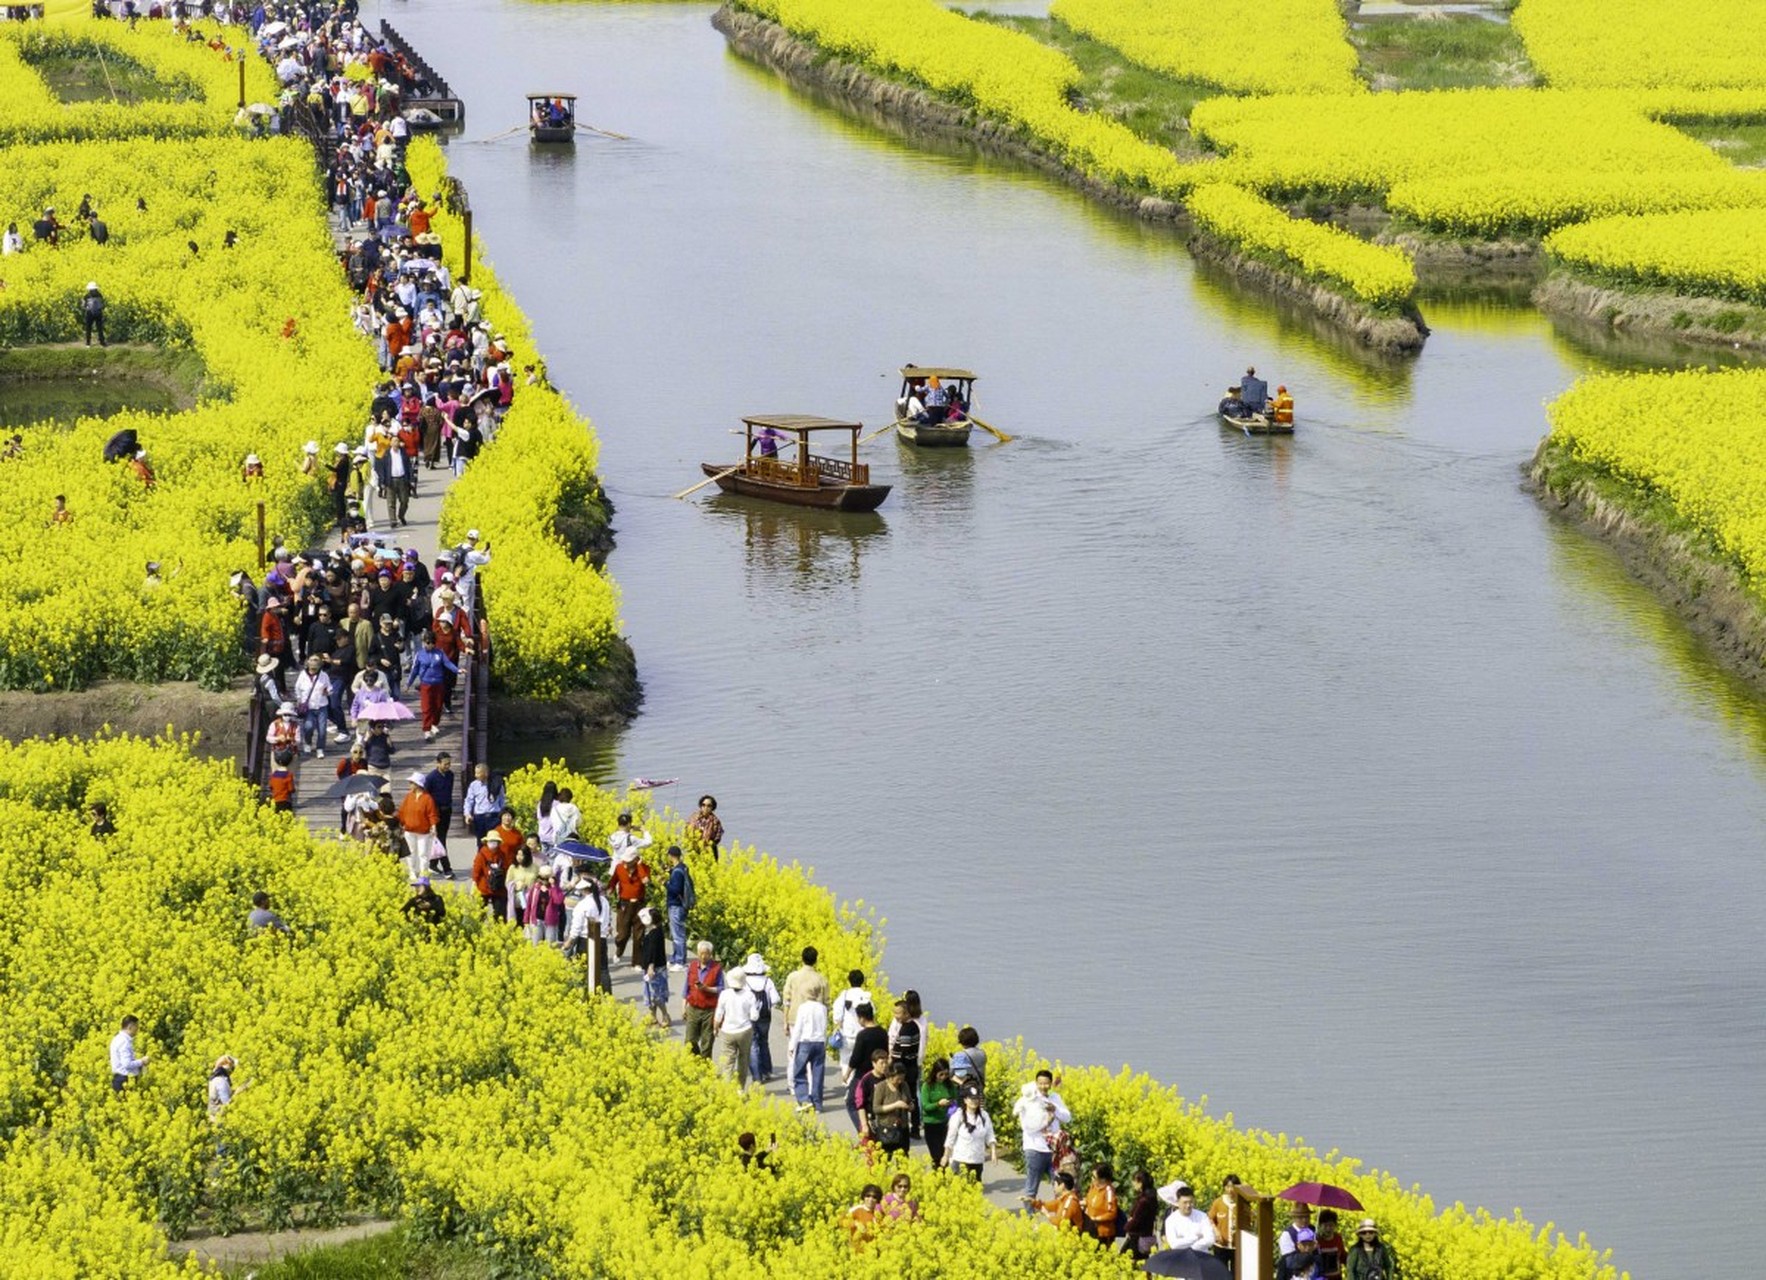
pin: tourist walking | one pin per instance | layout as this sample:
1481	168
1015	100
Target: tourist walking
653	959
430	670
631	885
490	875
805	982
766	999
907	1045
868	1040
545	909
1370	1258
891	1111
844	1016
806	1050
124	1064
971	1141
1140	1232
1040	1113
312	699
938	1094
484	801
439	782
705	982
1187	1227
680	897
590	921
417	821
732	1028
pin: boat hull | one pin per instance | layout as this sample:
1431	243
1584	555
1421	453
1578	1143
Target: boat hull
827	496
1257	425
551	133
934	435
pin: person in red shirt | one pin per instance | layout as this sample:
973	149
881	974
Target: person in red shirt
630	883
417	817
281	788
489	871
705	979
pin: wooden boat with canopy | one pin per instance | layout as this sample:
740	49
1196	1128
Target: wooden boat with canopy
917	381
551	117
805	480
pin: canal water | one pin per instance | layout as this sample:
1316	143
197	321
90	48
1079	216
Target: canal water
1326	777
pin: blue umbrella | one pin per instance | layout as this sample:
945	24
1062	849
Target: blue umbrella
582	852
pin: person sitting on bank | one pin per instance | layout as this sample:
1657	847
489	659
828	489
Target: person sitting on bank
1234	405
1283	405
1256	391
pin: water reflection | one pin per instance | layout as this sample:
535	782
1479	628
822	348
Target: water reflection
801	551
65	401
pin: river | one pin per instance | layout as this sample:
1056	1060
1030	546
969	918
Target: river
1328	777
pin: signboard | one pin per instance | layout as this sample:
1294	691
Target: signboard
1251	1225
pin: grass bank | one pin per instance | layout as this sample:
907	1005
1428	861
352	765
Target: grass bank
1678	560
1637	311
1429	50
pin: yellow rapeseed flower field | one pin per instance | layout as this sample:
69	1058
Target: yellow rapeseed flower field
1278	46
1717	253
1605	44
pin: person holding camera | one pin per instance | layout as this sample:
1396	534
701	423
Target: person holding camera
1371	1258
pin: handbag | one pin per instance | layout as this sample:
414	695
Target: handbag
836	1040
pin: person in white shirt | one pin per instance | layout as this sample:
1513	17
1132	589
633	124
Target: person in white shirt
806	1049
1186	1227
732	1027
124	1065
1041	1113
844	1015
12	242
590	921
1289	1240
566	817
626	841
220	1086
970	1143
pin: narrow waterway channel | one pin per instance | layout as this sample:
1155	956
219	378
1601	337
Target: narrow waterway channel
1326	777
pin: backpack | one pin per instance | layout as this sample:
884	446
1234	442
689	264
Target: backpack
763	1011
93	304
689	895
499	879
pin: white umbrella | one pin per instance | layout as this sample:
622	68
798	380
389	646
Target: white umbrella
272	28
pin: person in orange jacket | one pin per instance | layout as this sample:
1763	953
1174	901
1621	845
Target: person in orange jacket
1100	1204
861	1220
417	817
490	869
1065	1209
631	885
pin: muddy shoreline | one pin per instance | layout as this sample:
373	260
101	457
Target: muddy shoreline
1683	567
1641	312
913	113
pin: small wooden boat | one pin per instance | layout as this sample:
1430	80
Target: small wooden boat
1256	424
933	435
809	479
551	117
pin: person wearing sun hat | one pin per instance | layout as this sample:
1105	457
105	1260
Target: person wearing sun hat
417	819
766	999
1370	1258
425	904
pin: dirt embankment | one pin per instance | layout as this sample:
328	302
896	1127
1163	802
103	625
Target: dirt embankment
915	113
1716	322
1390	334
1683	567
146	710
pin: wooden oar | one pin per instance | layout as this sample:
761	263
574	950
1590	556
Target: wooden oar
879	431
988	426
605	133
517	129
709	480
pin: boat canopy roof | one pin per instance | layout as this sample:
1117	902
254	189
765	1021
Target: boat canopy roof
800	422
536	97
934	371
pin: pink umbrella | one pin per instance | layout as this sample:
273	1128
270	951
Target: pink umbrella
390	710
1322	1194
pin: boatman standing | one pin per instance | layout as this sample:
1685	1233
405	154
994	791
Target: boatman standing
1254	390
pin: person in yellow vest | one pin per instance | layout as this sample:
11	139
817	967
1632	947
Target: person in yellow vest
1283	405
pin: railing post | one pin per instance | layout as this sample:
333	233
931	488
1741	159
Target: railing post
242	83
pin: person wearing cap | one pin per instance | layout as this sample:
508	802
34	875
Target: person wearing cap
92	313
490	873
586	930
766	999
1286	1240
283	735
705	980
417	821
631	885
1370	1258
1233	406
1254	391
429	672
1186	1227
732	1028
269	681
425	904
676	896
1303	1263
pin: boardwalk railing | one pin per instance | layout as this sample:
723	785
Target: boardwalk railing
440	99
475	693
